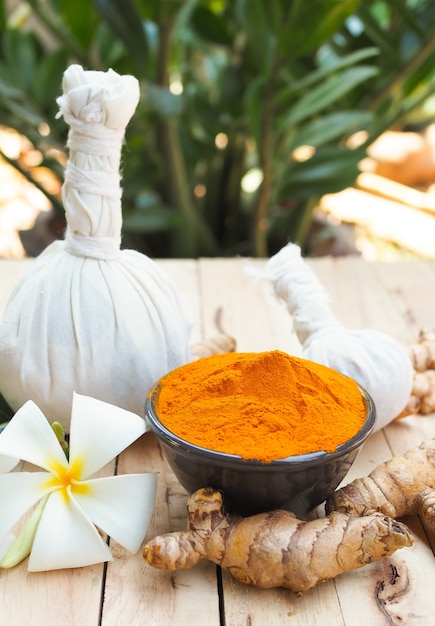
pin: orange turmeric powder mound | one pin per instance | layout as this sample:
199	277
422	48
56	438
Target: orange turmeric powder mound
260	405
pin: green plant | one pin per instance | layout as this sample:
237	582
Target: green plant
232	92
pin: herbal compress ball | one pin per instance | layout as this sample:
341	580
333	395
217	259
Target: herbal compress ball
90	317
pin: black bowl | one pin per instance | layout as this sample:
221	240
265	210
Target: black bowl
297	483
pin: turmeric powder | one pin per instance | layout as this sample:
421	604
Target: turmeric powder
263	406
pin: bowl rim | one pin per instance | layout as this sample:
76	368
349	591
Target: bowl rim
308	459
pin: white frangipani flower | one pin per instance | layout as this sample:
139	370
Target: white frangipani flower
71	504
7	463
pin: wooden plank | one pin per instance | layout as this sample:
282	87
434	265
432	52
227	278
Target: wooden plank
245	605
392	591
137	594
395	299
69	596
251	314
280	322
74	596
410	284
184	275
360	298
225	286
375	295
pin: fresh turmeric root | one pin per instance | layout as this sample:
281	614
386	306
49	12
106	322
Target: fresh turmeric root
422	355
404	485
275	549
219	343
422	399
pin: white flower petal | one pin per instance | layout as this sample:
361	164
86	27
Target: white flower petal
121	506
66	538
7	463
100	431
19	491
29	436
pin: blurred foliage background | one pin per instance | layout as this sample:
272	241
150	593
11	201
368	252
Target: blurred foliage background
250	110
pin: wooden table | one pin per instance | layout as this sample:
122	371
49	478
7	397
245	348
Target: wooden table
397	298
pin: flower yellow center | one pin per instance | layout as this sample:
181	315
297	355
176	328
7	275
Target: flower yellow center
67	478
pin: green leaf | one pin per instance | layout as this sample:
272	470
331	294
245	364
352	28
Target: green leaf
329	127
327	93
7	90
334	16
111	50
203	118
260	39
231	91
331	169
151	221
310	24
150	215
376	32
332	67
254	103
125	21
164	10
339	63
2	14
210	26
20	55
23	111
47	80
162	101
79	17
407	14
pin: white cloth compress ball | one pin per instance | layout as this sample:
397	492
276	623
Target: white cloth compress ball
378	362
88	316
